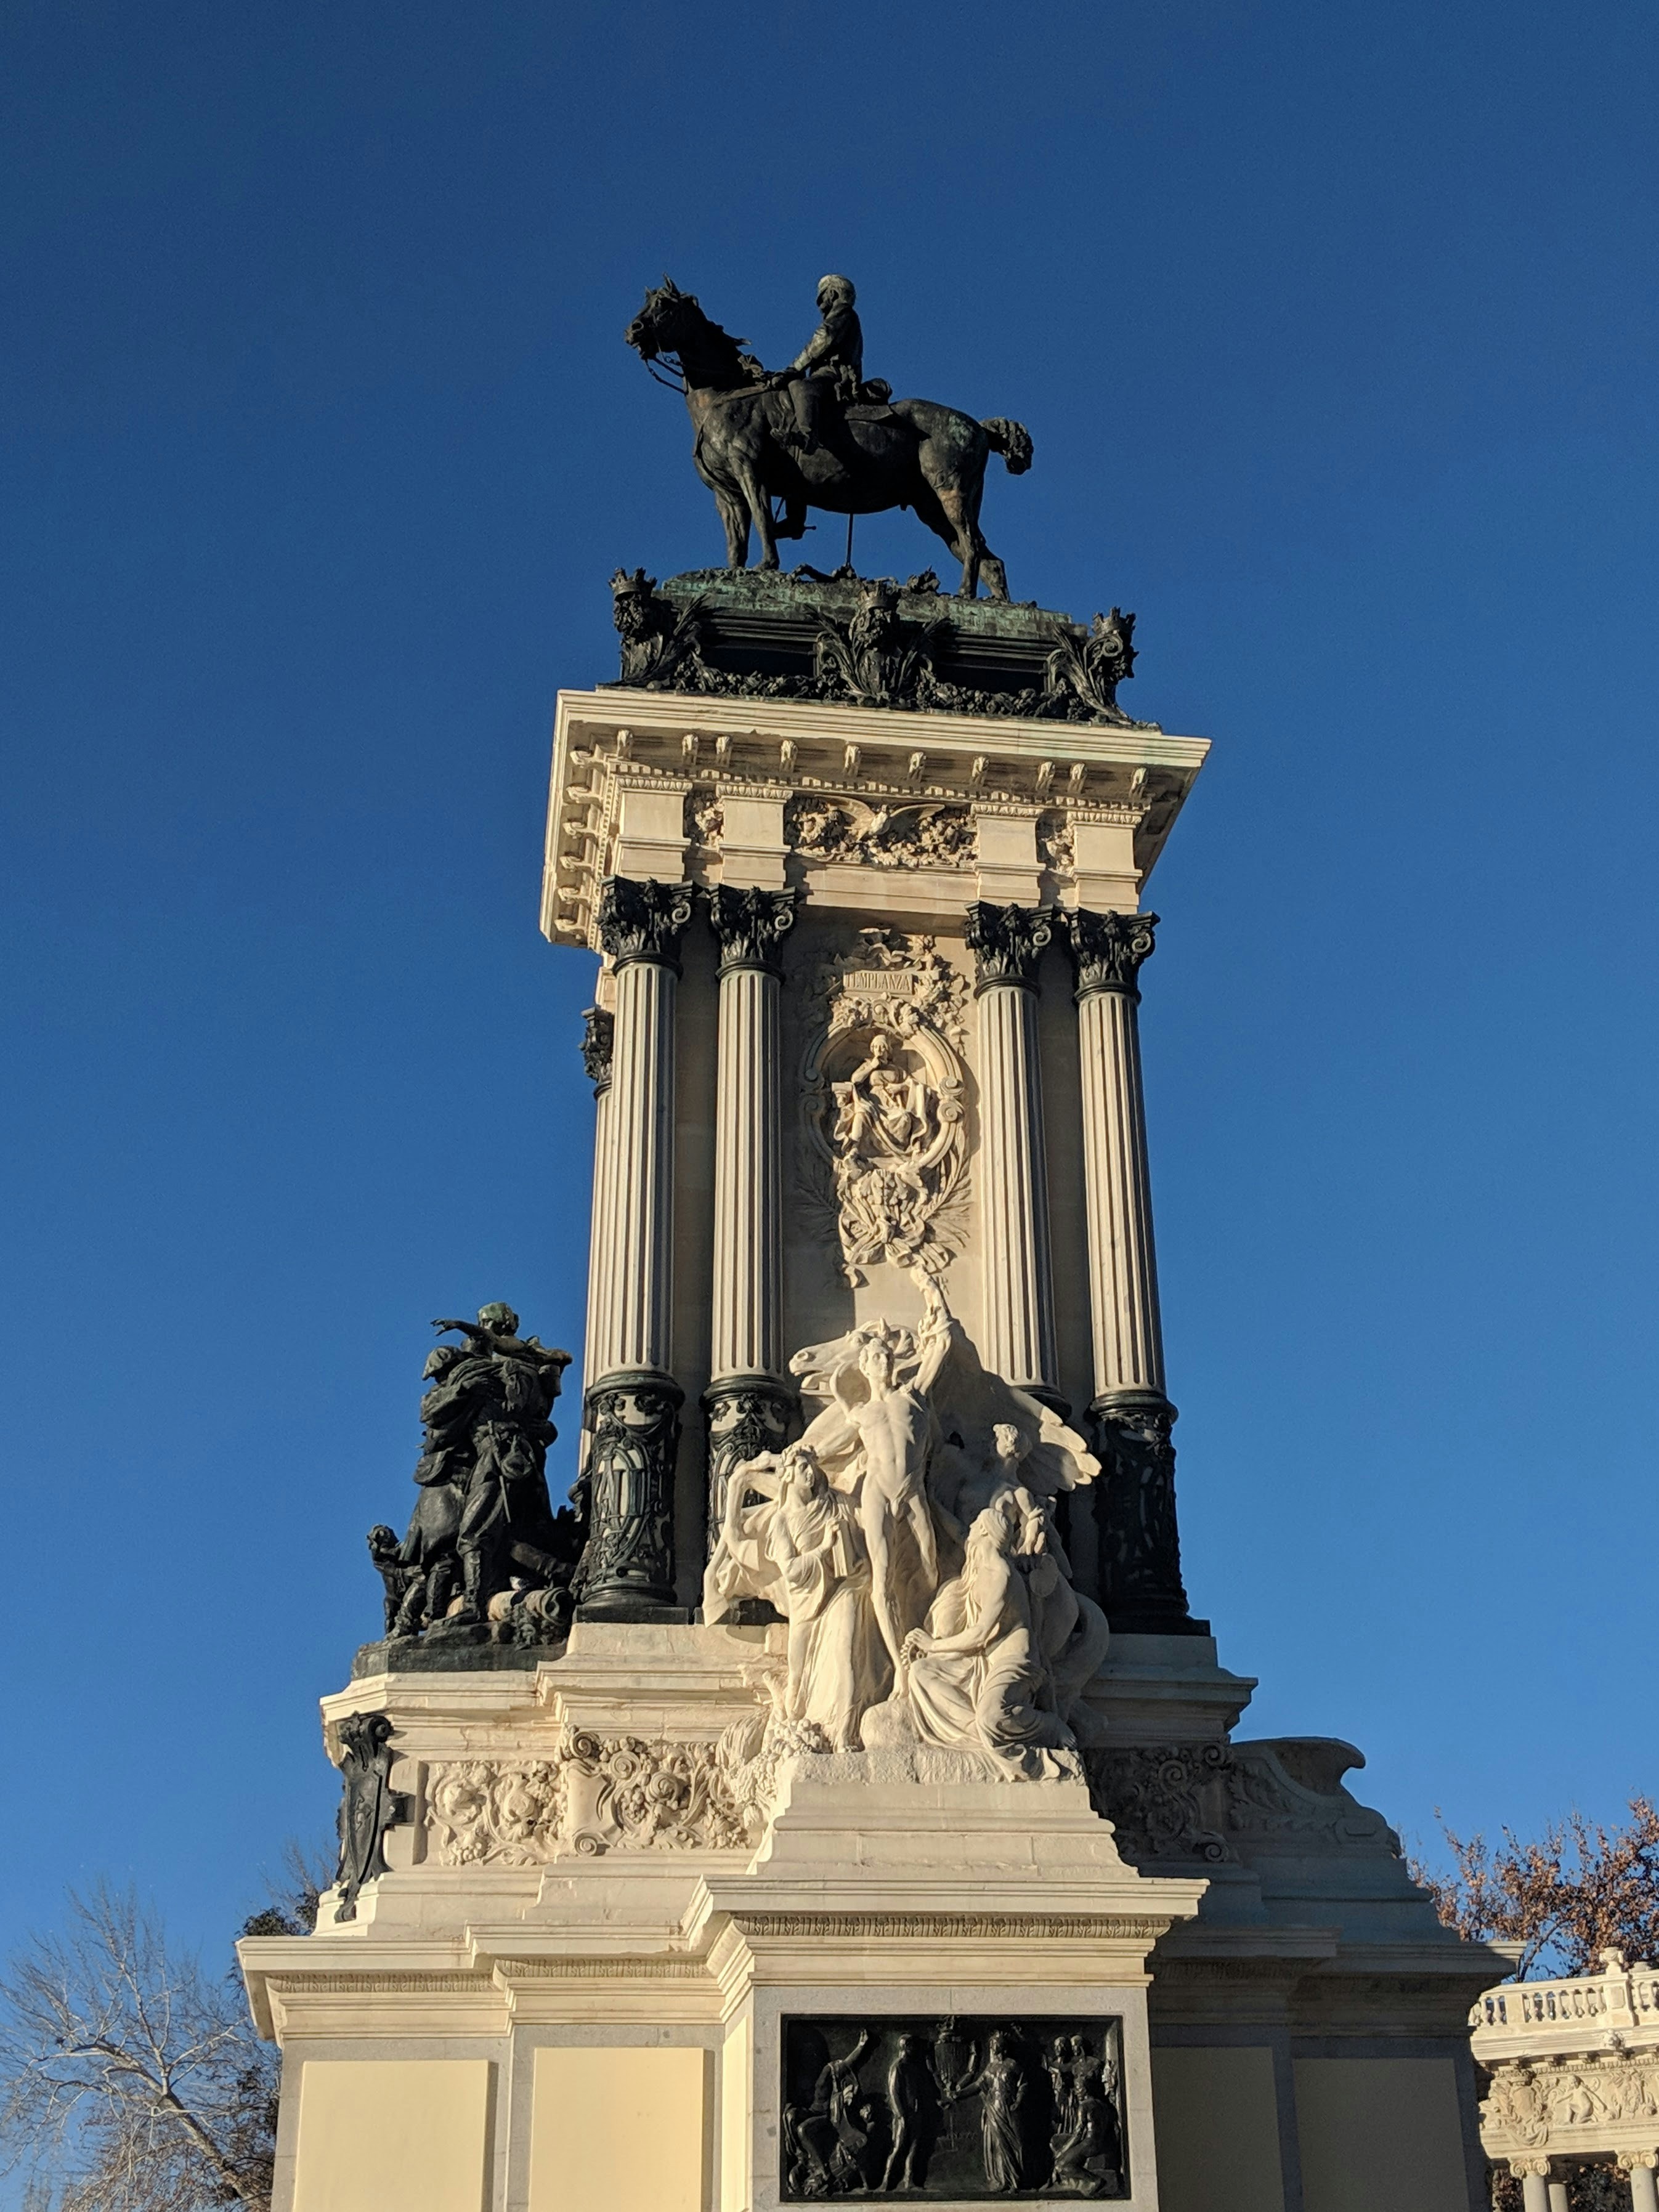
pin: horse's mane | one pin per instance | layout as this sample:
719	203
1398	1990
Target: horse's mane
742	364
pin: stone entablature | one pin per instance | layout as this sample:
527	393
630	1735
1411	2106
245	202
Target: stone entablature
764	793
1574	2067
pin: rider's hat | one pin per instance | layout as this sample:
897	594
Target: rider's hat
836	284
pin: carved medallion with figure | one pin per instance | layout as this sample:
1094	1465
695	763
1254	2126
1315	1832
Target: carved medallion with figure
884	1095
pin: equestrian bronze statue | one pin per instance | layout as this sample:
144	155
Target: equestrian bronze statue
816	434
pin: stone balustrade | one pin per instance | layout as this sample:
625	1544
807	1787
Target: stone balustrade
1574	2068
1621	1998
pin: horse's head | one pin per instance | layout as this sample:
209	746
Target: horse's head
664	321
672	323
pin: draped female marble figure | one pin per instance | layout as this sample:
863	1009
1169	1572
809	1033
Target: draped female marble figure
974	1677
801	1548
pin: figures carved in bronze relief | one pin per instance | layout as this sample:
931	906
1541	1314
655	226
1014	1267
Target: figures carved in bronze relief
953	2109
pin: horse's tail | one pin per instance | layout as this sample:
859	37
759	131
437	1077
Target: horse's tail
1012	439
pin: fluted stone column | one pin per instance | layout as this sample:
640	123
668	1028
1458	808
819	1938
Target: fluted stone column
1139	1543
598	1044
749	1402
633	1406
1007	942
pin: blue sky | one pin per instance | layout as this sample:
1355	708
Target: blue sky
1335	329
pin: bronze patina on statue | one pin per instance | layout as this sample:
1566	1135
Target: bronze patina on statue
818	434
486	1558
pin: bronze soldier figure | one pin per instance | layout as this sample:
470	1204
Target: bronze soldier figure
830	363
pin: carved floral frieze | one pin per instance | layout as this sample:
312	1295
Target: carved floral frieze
598	1794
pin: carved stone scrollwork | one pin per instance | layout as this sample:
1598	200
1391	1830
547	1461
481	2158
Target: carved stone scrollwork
596	1793
1155	1798
1107	950
598	1039
1092	668
642	920
368	1804
627	1571
1215	1803
750	926
747	1415
884	1091
1139	1542
963	2109
1007	943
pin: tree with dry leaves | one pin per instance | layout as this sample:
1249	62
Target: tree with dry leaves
131	2079
1565	1896
1578	1889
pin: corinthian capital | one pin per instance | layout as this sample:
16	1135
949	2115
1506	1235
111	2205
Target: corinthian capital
1107	948
642	920
750	925
1007	942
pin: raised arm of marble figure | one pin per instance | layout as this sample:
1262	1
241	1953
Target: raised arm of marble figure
939	1332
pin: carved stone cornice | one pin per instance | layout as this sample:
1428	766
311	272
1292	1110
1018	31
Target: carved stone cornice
750	926
952	1927
599	1037
1007	943
612	747
1107	948
640	920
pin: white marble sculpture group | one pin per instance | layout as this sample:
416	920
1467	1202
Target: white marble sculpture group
909	1539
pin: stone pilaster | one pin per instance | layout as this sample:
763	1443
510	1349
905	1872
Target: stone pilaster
632	1401
748	1403
1007	942
1139	1544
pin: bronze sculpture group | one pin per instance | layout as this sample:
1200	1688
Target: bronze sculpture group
818	434
484	1545
953	2108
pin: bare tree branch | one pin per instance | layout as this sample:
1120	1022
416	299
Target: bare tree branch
130	2080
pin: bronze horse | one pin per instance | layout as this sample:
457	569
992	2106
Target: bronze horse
912	452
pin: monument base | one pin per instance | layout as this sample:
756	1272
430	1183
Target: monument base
635	1950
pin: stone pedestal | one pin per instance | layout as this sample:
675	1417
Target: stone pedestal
653	1934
